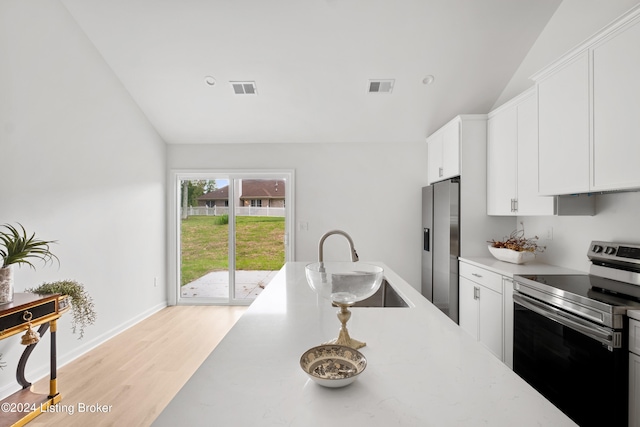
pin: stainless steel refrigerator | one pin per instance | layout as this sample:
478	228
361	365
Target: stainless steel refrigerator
441	245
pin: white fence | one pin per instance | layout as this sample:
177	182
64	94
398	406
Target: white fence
240	211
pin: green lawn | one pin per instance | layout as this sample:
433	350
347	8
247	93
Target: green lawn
205	245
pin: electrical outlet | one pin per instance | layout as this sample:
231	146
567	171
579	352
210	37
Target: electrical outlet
550	233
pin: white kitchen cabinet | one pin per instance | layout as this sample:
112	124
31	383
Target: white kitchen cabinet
634	373
563	143
512	160
469	159
469	318
634	390
507	315
502	186
588	119
616	109
443	152
481	306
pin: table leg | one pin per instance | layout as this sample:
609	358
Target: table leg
53	382
25	356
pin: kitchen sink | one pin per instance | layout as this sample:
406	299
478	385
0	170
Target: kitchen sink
385	296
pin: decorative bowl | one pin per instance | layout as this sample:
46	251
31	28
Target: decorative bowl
509	255
344	282
332	365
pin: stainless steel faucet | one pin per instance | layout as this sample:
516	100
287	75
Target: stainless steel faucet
354	254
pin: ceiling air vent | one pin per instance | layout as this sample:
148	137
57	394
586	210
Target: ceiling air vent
381	86
244	88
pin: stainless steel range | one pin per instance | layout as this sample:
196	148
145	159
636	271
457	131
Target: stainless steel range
570	338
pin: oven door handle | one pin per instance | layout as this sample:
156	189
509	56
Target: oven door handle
603	335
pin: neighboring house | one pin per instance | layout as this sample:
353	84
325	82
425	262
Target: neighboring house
262	193
218	197
259	193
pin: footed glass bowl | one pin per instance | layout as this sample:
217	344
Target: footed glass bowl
344	282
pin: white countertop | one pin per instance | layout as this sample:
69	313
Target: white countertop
423	370
510	270
634	314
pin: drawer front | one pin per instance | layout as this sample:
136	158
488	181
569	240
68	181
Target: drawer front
481	276
634	336
17	318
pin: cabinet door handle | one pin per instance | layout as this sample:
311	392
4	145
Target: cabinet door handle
440	172
515	205
476	274
476	292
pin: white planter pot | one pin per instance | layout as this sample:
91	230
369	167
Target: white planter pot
6	285
511	256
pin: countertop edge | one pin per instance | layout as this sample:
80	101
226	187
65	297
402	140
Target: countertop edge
510	270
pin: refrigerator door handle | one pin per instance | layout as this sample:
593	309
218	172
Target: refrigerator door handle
427	239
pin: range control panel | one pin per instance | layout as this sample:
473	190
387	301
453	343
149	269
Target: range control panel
614	251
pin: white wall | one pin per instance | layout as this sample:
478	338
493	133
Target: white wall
371	191
616	214
573	22
616	220
80	165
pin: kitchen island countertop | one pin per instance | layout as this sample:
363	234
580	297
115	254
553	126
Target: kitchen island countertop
423	370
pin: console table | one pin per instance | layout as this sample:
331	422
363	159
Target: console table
44	311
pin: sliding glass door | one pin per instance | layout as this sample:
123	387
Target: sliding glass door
233	234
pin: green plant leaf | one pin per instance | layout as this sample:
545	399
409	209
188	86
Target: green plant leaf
82	306
19	248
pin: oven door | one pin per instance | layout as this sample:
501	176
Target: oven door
582	368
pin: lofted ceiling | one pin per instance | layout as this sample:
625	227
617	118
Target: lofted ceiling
311	61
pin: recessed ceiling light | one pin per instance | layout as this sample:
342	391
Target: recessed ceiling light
428	80
210	81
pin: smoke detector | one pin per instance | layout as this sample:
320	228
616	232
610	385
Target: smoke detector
244	88
381	86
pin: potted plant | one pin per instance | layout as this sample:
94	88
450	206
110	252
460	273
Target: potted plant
516	248
17	247
82	306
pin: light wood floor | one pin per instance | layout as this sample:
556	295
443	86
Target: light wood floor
138	372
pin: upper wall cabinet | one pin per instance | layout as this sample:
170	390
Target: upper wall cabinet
589	130
443	152
466	134
616	110
512	160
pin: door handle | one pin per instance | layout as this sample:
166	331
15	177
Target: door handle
426	239
476	292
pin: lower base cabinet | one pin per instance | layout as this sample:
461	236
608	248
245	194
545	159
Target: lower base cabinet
634	373
481	315
634	390
481	307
